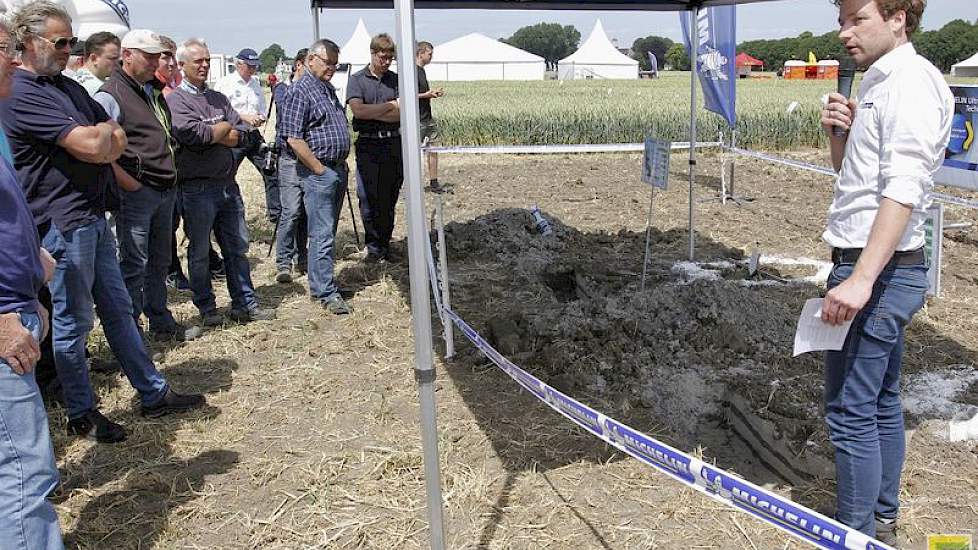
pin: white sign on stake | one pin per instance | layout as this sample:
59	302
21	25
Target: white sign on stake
655	165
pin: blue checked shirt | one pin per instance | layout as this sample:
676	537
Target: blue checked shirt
313	114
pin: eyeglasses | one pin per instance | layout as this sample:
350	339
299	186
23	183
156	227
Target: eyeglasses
325	62
61	43
384	57
8	48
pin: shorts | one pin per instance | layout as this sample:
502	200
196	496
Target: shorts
429	131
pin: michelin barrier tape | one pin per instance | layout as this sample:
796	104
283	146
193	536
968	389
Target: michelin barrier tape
796	520
558	149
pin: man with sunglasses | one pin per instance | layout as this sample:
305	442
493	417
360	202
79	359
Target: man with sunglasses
65	146
372	96
315	128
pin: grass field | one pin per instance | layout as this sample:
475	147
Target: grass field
616	111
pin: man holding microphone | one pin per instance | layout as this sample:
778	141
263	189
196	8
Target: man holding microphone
886	147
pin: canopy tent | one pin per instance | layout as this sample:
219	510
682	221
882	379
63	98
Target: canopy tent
968	67
87	16
746	60
477	57
597	58
417	234
356	50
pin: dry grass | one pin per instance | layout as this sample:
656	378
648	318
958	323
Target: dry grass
312	438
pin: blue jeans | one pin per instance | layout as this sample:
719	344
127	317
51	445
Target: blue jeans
293	233
324	201
862	397
88	275
380	174
273	202
145	230
28	474
217	206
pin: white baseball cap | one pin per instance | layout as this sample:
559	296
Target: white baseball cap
144	40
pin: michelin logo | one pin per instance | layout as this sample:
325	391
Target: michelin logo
120	9
712	63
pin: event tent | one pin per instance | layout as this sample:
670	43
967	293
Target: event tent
87	16
478	57
597	58
417	230
746	63
968	67
356	50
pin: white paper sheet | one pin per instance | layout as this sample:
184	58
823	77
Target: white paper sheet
813	334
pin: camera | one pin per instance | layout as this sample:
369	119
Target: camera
269	155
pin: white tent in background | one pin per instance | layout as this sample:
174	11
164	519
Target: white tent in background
597	58
478	57
356	51
968	67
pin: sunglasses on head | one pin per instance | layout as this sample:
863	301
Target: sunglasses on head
61	43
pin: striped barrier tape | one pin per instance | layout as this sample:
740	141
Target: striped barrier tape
558	149
796	520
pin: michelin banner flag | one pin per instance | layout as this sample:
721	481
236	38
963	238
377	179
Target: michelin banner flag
960	167
717	30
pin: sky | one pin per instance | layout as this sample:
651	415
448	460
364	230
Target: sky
230	25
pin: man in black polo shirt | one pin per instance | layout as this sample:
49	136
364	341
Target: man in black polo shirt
372	96
64	144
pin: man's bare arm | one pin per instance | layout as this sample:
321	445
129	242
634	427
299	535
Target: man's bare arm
305	156
843	302
124	180
92	144
384	112
220	131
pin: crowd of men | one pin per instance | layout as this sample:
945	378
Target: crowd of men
99	167
108	145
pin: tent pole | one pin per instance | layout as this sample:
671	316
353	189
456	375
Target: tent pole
694	40
315	23
424	369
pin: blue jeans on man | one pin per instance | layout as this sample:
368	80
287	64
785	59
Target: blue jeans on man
252	152
217	206
145	232
862	397
324	201
293	234
28	474
87	277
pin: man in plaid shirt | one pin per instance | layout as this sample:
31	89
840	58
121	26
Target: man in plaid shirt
315	128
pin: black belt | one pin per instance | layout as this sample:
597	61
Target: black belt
333	163
380	135
851	256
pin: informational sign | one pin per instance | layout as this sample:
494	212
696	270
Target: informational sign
655	165
960	167
933	241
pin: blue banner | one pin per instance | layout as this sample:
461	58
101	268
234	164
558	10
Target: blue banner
654	63
717	31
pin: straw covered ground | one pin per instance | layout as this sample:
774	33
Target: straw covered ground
312	440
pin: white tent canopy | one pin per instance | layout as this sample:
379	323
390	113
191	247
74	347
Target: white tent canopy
478	57
968	67
356	51
87	16
597	58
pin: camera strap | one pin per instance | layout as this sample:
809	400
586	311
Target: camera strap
268	115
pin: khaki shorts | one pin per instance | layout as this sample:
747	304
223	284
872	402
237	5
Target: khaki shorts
429	131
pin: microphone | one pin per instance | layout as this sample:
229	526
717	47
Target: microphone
847	71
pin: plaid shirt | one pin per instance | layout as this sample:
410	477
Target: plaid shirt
313	114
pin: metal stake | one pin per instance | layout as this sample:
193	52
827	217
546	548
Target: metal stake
693	50
446	295
648	238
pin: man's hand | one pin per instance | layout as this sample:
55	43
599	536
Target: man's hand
253	120
233	138
438	92
47	260
843	302
124	180
839	112
17	346
118	139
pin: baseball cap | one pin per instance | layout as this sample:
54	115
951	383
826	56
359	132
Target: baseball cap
249	56
79	48
145	40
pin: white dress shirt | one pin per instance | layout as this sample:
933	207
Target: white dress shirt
247	98
896	144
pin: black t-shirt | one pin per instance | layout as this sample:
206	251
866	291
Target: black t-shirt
366	87
424	105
